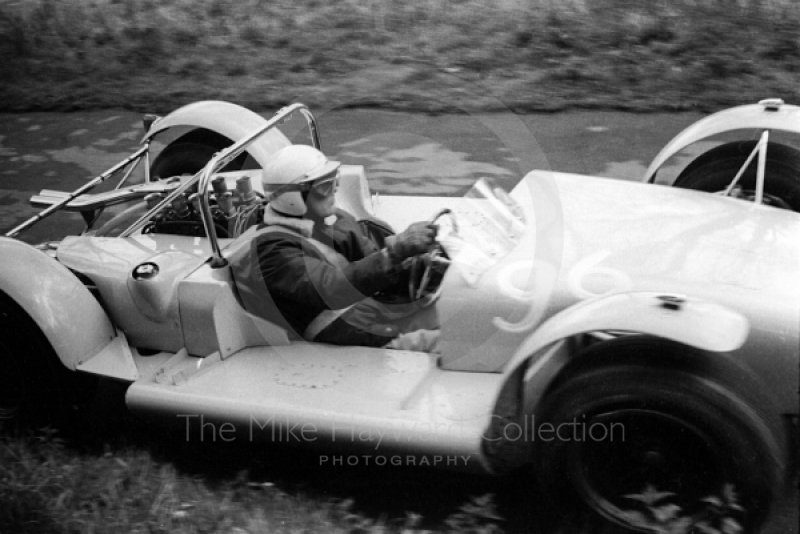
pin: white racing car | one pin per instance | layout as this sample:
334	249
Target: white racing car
638	345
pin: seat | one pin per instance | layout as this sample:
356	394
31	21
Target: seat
353	194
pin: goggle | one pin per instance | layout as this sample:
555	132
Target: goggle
325	186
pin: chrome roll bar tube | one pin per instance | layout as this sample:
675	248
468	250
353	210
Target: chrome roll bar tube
232	152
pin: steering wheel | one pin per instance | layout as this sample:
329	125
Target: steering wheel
435	256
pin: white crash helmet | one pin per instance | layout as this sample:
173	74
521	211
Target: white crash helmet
294	165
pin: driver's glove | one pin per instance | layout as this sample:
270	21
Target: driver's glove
416	239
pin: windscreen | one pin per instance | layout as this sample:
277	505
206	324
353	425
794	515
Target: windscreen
484	232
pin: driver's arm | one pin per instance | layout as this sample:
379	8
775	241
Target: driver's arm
294	269
416	239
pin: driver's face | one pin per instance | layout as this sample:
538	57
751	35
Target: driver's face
322	198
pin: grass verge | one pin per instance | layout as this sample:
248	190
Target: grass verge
50	486
432	55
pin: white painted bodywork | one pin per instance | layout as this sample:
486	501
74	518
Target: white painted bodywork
700	324
51	299
381	401
114	361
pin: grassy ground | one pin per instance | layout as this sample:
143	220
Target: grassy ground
418	54
48	485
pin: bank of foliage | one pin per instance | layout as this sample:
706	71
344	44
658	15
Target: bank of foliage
418	54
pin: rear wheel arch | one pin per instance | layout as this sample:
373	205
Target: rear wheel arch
191	151
713	170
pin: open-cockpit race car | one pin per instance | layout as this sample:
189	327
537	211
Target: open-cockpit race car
625	340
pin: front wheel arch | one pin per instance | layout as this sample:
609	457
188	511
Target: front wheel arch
68	315
655	382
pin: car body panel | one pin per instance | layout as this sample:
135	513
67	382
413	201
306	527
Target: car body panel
700	324
237	329
64	310
146	310
114	361
381	400
214	320
752	116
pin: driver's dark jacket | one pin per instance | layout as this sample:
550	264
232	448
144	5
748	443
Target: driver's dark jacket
279	268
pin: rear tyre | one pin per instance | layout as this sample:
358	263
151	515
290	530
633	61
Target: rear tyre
35	389
655	427
191	152
715	169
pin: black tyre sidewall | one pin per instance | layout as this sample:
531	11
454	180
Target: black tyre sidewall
181	158
51	391
748	442
714	171
191	152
